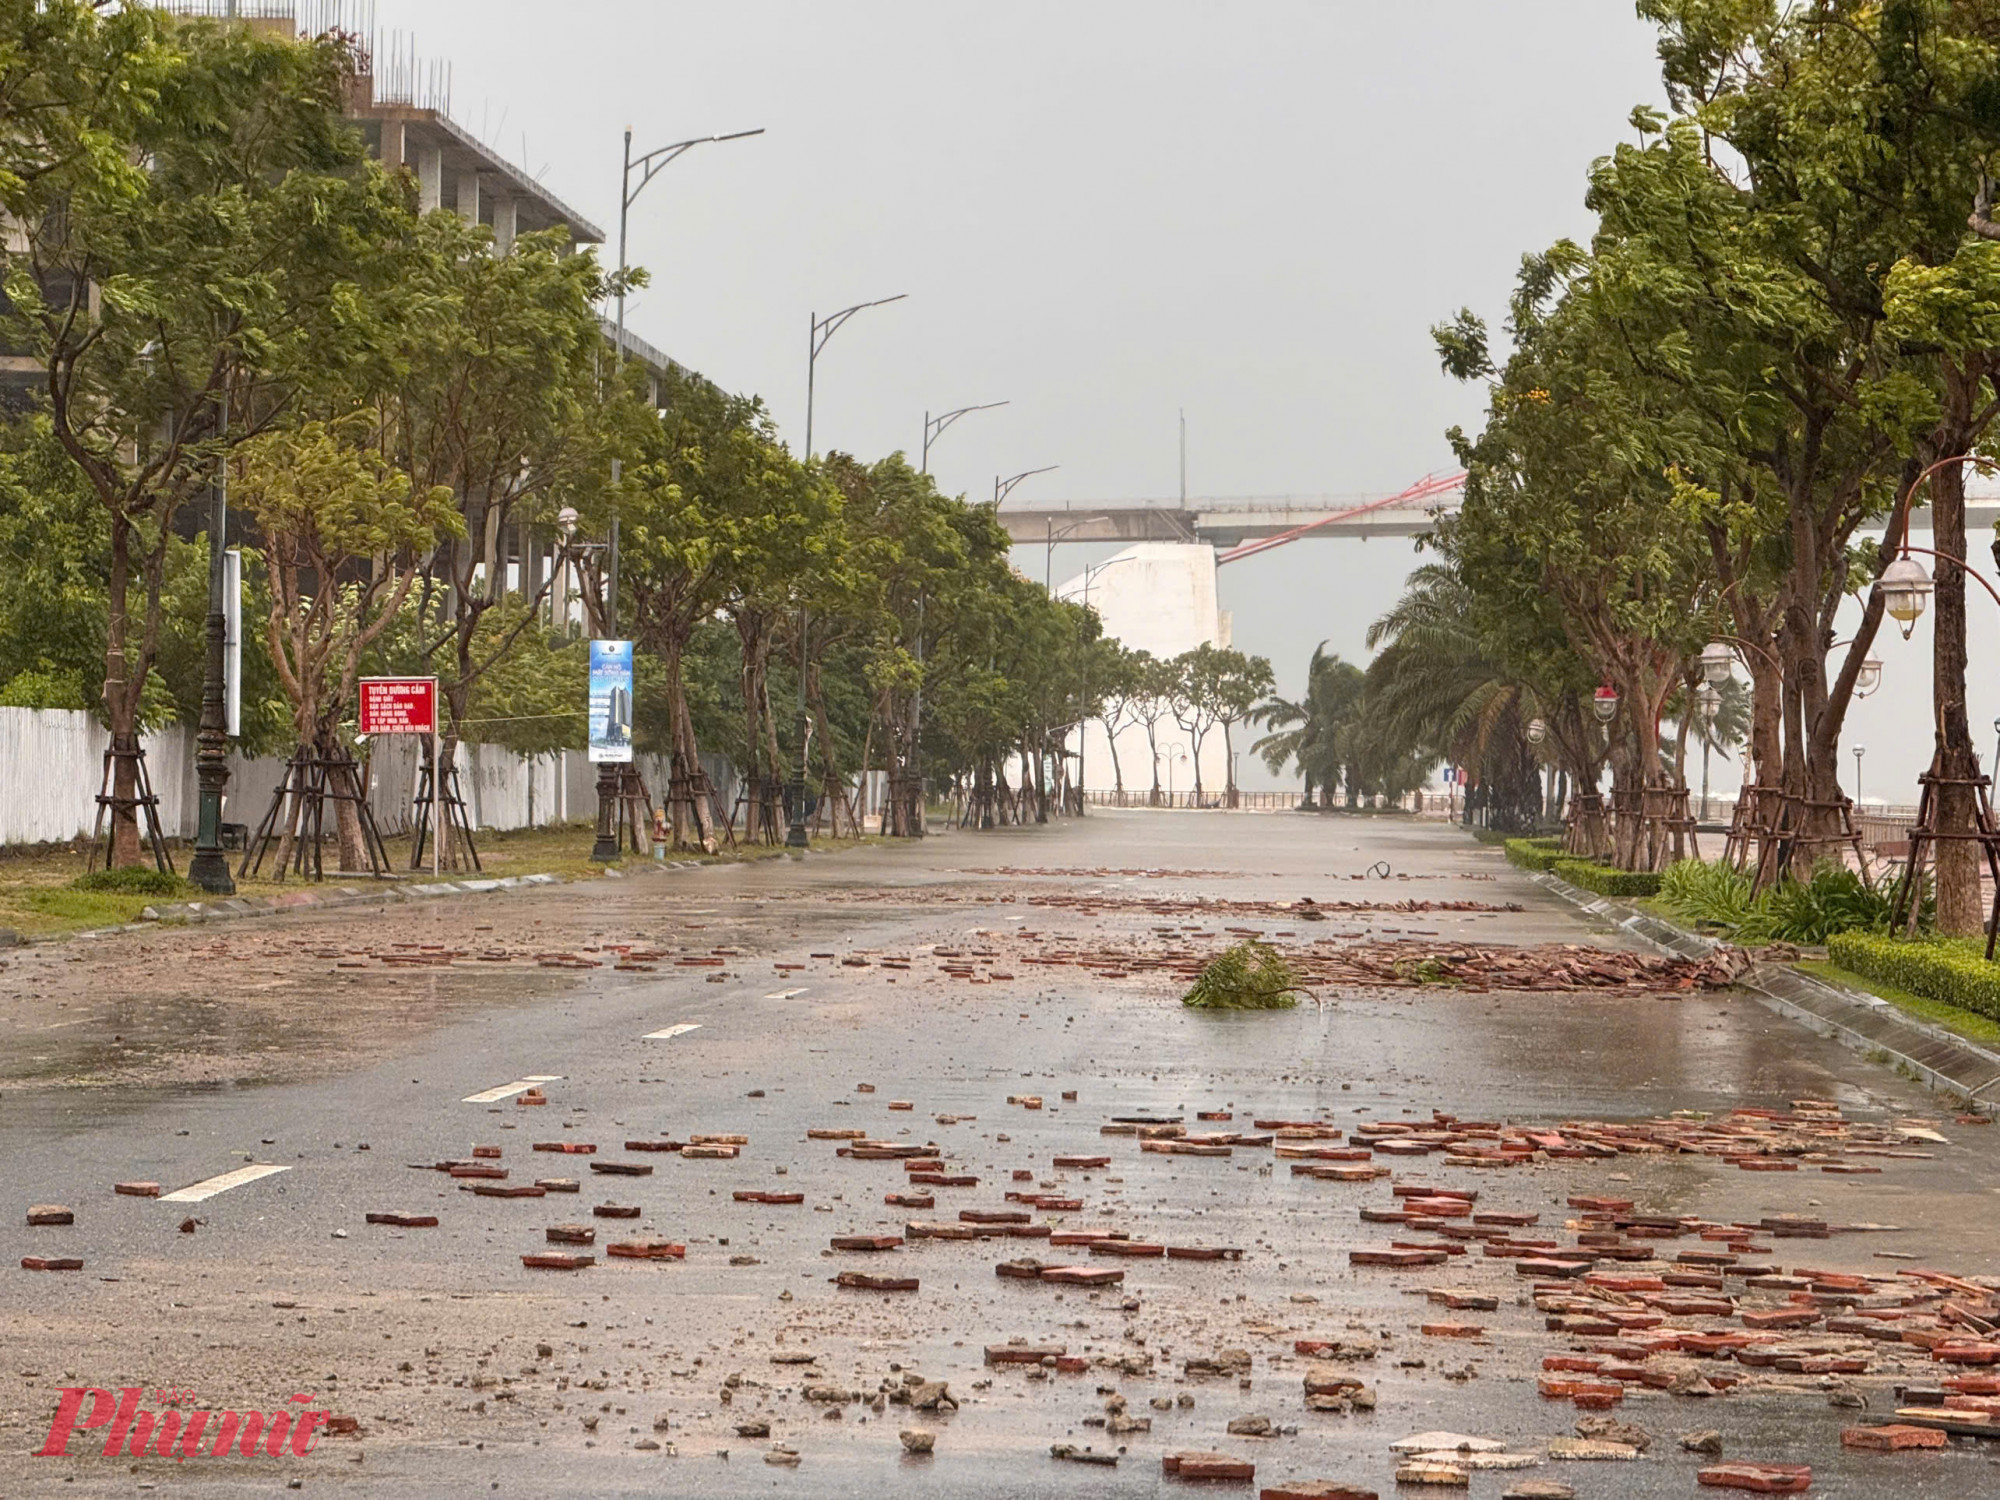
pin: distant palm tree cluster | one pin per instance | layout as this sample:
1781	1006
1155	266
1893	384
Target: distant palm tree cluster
1433	697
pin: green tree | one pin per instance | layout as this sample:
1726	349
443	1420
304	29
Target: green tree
344	534
712	495
496	392
1244	682
182	299
1153	702
1215	685
1119	675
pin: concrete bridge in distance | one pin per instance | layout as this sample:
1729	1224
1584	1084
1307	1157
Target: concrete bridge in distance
1222	523
1228	524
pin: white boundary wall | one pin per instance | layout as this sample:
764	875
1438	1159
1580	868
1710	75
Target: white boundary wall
52	765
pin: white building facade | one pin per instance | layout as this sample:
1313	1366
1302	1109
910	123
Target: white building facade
1158	597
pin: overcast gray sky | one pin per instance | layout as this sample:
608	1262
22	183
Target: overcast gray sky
1103	211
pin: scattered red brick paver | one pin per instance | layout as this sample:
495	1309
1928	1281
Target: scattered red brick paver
861	1282
1893	1438
646	1249
1081	1275
1401	1259
1023	1354
1764	1479
1208	1466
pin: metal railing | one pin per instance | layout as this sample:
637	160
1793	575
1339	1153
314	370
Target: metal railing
1210	800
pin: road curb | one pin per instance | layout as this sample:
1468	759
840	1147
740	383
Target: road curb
243	908
1939	1059
240	908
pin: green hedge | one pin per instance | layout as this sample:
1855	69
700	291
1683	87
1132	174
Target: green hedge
1954	973
1606	881
1534	854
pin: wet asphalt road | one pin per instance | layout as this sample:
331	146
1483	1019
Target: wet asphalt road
282	1287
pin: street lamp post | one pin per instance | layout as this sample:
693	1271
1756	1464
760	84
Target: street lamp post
1538	730
1708	702
934	428
1082	728
209	869
820	330
649	165
1049	547
1859	751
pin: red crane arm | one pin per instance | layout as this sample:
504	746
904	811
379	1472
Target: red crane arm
1429	486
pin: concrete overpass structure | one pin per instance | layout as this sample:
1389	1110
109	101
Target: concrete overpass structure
1241	527
1223	523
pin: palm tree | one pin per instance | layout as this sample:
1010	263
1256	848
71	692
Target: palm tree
1313	730
1434	690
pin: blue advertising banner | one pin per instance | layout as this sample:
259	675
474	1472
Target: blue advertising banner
610	700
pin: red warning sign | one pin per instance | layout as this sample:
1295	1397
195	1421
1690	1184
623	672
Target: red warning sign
398	705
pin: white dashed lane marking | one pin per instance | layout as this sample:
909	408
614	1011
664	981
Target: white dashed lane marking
200	1191
784	994
509	1090
672	1031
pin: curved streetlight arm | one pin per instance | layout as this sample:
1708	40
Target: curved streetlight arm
934	427
821	330
1057	535
826	327
1090	576
654	160
1002	488
1961	563
1737	640
1902	512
